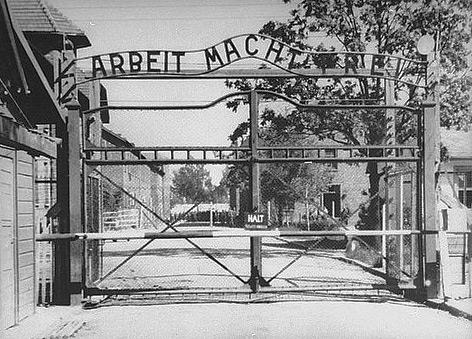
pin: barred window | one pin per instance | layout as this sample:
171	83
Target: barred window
465	188
331	153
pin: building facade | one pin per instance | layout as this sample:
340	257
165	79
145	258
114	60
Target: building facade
26	101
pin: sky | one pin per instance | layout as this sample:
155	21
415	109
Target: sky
118	25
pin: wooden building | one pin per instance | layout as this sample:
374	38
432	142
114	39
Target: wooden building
148	184
455	210
32	124
25	100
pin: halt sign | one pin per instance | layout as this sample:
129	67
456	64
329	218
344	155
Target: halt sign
255	221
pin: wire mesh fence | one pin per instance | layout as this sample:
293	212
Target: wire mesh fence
173	265
331	193
119	203
126	205
333	197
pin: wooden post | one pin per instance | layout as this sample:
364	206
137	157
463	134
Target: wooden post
75	198
68	256
61	294
430	163
255	242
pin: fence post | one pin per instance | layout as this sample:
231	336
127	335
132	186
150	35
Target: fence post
211	214
75	199
430	163
384	237
255	242
68	256
468	238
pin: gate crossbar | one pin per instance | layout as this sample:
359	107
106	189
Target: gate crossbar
170	225
247	93
222	234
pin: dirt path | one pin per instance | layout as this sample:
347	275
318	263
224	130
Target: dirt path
321	319
177	264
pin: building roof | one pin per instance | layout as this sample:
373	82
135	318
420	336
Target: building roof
36	16
458	143
35	99
120	141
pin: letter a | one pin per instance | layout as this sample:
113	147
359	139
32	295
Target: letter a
100	67
230	48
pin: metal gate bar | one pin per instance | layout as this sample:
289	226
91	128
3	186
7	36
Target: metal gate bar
170	225
294	261
225	234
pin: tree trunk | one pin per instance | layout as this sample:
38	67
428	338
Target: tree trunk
371	216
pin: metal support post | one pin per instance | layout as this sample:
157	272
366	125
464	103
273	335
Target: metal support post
256	279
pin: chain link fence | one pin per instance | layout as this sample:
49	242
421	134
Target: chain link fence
333	197
318	196
126	200
131	199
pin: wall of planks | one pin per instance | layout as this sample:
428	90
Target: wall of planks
17	250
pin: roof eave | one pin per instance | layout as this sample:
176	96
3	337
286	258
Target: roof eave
46	94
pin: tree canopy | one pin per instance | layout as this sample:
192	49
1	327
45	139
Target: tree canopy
387	26
376	26
191	183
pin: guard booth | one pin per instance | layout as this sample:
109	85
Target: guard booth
144	259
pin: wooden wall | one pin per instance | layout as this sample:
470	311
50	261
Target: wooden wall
7	220
25	224
17	299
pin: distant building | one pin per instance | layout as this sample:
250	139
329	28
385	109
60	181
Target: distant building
455	208
346	191
456	171
126	187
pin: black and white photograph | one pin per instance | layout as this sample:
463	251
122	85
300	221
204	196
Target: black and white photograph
235	169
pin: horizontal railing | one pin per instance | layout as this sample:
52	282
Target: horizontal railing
220	234
264	154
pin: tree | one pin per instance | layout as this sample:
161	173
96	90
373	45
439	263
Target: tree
191	183
286	184
281	183
376	26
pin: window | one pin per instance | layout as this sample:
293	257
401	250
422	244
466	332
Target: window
332	200
464	185
331	153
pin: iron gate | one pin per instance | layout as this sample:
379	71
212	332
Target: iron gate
131	180
128	226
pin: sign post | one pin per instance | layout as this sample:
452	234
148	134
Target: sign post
256	280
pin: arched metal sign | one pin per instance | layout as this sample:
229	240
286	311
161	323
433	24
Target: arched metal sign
209	62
